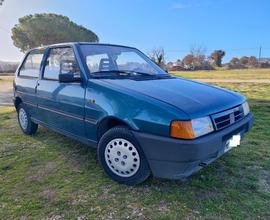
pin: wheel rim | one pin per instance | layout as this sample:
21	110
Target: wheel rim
122	157
23	118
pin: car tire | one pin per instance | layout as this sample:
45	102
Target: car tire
122	158
26	124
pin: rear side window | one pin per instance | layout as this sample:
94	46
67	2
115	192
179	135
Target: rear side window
31	65
54	60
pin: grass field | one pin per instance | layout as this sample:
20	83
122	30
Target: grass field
52	177
6	78
226	74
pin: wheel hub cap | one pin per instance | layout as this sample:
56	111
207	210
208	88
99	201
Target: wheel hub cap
23	118
122	157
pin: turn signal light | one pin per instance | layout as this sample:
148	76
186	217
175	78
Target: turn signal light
182	129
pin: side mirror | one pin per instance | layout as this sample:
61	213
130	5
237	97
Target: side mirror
67	77
69	72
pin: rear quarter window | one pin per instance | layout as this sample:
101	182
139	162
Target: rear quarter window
31	65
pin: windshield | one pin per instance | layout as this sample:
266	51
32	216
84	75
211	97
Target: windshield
107	60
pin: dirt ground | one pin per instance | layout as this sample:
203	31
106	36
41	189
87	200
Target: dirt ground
6	93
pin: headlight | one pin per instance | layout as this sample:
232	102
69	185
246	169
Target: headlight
245	107
191	129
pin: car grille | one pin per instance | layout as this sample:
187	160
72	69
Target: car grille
226	118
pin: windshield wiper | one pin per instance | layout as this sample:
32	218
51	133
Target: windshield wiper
102	74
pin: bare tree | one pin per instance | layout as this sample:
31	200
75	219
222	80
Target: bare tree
199	58
197	50
158	56
196	59
1	2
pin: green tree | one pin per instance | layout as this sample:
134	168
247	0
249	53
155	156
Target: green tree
43	29
217	56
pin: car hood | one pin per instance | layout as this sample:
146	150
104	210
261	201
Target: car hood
194	98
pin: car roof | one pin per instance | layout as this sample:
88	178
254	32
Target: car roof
77	43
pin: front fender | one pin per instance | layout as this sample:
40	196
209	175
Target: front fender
139	112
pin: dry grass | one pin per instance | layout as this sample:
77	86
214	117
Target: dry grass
226	74
6	78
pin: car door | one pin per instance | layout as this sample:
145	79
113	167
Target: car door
27	78
61	105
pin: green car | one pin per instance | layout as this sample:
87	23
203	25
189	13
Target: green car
141	119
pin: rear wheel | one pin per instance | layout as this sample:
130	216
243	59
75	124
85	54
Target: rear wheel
122	158
27	126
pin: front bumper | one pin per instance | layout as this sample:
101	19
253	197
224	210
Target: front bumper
177	159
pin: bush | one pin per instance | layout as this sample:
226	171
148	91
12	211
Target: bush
196	62
176	68
230	66
244	60
264	65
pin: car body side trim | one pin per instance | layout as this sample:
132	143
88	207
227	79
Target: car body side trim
61	113
26	93
86	141
88	120
91	121
31	104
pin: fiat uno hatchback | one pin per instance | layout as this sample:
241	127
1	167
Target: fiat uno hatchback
140	119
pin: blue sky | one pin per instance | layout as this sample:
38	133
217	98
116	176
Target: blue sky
239	27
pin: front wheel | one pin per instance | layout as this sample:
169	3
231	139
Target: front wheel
122	158
27	126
